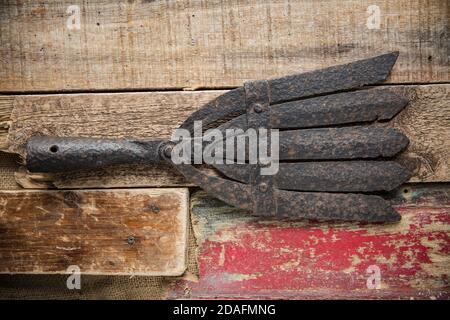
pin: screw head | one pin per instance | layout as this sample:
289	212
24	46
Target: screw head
167	150
263	187
154	208
131	240
257	108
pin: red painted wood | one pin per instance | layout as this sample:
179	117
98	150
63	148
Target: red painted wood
242	257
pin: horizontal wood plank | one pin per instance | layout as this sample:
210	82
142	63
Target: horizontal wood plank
114	45
156	114
243	257
128	232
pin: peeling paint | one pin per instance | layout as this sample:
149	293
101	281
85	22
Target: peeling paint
308	259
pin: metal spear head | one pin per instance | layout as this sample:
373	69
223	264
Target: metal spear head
334	154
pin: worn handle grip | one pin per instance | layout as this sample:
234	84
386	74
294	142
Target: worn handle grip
57	154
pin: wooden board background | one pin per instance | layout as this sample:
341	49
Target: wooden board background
190	44
106	79
48	231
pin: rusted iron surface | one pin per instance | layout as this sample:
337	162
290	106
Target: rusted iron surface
273	104
263	193
341	143
354	142
342	77
230	103
54	154
332	79
336	109
333	176
334	206
234	193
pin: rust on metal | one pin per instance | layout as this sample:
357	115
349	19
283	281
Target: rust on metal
335	109
331	176
59	154
333	150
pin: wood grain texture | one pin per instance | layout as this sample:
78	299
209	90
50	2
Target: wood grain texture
6	107
190	44
47	231
425	121
247	257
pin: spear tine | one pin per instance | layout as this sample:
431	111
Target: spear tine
332	79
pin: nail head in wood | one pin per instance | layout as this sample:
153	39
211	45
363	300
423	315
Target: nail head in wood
131	240
154	208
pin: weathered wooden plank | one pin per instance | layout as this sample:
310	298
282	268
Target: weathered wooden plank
140	115
6	107
133	232
425	121
241	256
179	44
